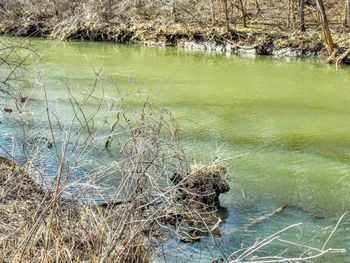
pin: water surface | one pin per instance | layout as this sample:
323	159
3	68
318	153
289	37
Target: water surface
292	117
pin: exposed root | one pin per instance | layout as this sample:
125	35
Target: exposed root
343	57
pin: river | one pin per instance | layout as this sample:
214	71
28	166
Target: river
291	120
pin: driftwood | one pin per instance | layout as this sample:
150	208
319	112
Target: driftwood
113	203
265	217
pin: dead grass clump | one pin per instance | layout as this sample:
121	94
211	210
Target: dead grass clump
204	184
35	225
135	250
16	184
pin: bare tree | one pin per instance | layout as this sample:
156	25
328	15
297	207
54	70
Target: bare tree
243	12
227	22
325	27
347	14
257	6
212	10
302	15
290	13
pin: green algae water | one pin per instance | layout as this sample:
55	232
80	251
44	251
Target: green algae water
290	120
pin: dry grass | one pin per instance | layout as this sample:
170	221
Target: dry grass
69	232
32	228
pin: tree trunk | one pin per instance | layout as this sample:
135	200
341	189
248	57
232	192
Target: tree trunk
325	27
302	15
212	10
257	6
226	15
347	14
291	19
290	10
173	11
2	7
243	13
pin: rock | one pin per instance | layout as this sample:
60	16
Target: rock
247	51
204	46
287	52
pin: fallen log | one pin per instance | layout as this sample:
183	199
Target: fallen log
265	217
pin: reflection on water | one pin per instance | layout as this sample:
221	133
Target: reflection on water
291	117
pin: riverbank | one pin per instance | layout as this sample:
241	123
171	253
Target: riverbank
251	41
255	28
242	41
